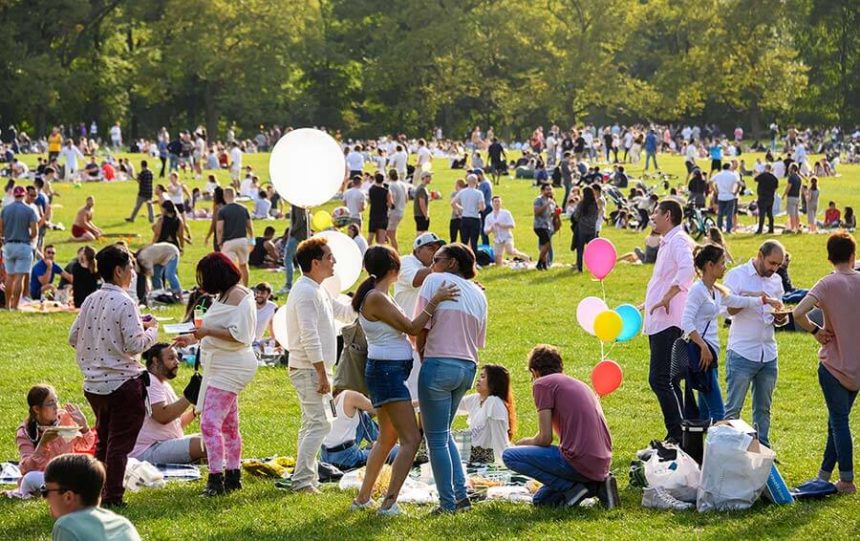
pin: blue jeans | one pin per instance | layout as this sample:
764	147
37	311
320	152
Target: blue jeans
547	465
711	404
356	456
651	156
740	374
289	255
170	274
725	209
174	162
442	382
839	447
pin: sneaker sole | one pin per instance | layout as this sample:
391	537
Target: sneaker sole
576	498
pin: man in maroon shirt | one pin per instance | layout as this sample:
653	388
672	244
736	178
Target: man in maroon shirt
578	467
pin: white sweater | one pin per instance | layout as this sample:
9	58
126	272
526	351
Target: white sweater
311	333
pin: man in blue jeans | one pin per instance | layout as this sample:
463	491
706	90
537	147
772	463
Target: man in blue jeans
651	149
298	232
751	351
578	467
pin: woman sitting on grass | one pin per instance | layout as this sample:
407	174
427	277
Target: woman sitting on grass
39	440
492	417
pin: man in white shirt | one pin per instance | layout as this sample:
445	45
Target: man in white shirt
355	200
690	152
116	136
235	162
470	202
161	439
501	223
414	268
398	161
423	155
751	353
312	343
728	184
400	196
71	154
799	153
355	161
779	168
265	309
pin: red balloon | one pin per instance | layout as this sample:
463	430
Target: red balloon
606	377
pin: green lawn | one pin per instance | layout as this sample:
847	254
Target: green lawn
526	307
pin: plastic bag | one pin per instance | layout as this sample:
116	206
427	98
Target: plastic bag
735	470
139	474
680	477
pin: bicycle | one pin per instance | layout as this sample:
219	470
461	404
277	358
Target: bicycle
697	222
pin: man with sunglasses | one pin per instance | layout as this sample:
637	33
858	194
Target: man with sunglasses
43	273
72	486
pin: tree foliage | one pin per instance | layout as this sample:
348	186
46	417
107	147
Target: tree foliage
371	66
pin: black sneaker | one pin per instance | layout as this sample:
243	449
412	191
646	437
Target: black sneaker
463	505
574	496
607	493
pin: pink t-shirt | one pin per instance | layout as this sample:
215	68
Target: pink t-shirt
577	419
837	295
458	328
152	431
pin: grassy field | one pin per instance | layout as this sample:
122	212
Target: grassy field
526	307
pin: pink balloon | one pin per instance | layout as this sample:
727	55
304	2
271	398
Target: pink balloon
606	377
587	310
600	257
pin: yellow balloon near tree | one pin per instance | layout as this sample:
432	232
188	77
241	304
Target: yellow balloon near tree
321	220
608	325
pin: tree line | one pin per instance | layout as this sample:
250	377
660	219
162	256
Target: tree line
388	66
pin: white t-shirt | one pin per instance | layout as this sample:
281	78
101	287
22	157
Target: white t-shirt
400	197
361	242
470	199
354	161
152	431
779	169
405	295
726	182
116	133
264	316
354	199
397	161
690	152
423	156
494	223
488	423
236	159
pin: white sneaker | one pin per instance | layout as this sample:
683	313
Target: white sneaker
356	506
659	498
392	511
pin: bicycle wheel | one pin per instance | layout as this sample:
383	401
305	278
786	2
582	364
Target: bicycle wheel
707	224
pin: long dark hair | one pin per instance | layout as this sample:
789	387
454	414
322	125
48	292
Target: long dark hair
218	197
464	256
216	273
499	385
589	201
379	260
89	254
36	397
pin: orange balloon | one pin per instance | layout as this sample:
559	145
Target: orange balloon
606	377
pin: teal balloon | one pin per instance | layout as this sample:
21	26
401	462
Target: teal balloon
631	322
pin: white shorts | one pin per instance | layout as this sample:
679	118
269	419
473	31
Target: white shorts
237	250
176	451
503	247
394	220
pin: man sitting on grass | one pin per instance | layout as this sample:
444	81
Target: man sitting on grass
72	487
83	229
43	273
578	467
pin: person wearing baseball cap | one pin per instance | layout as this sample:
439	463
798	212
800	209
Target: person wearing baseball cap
18	228
414	268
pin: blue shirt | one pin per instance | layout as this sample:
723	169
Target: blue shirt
716	152
39	270
486	188
651	142
17	218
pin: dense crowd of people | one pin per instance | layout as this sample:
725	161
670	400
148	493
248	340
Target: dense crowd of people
423	315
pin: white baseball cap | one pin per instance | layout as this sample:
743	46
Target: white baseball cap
427	238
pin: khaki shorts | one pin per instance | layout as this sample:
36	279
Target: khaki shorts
504	247
394	220
237	250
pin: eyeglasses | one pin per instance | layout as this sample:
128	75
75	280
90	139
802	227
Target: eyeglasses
44	490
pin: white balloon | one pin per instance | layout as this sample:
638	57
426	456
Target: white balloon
347	255
332	285
279	326
307	167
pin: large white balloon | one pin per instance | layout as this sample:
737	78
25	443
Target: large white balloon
279	326
307	167
347	255
332	285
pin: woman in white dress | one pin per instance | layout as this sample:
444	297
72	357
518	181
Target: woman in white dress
492	418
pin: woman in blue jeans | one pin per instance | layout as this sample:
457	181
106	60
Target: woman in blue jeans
449	346
839	370
704	301
389	362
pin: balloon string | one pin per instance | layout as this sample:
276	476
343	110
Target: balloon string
603	288
602	354
608	351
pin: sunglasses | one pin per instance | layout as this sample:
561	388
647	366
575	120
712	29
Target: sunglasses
44	490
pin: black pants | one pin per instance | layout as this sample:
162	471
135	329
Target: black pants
659	377
644	219
470	228
765	208
581	240
485	239
163	164
454	229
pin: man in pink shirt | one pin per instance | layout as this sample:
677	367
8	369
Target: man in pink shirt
664	305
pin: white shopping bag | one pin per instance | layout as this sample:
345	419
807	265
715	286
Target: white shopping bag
735	469
680	477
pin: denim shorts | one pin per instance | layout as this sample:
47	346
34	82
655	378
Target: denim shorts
18	257
386	381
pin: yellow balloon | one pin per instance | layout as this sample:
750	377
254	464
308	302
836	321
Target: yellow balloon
608	325
321	220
